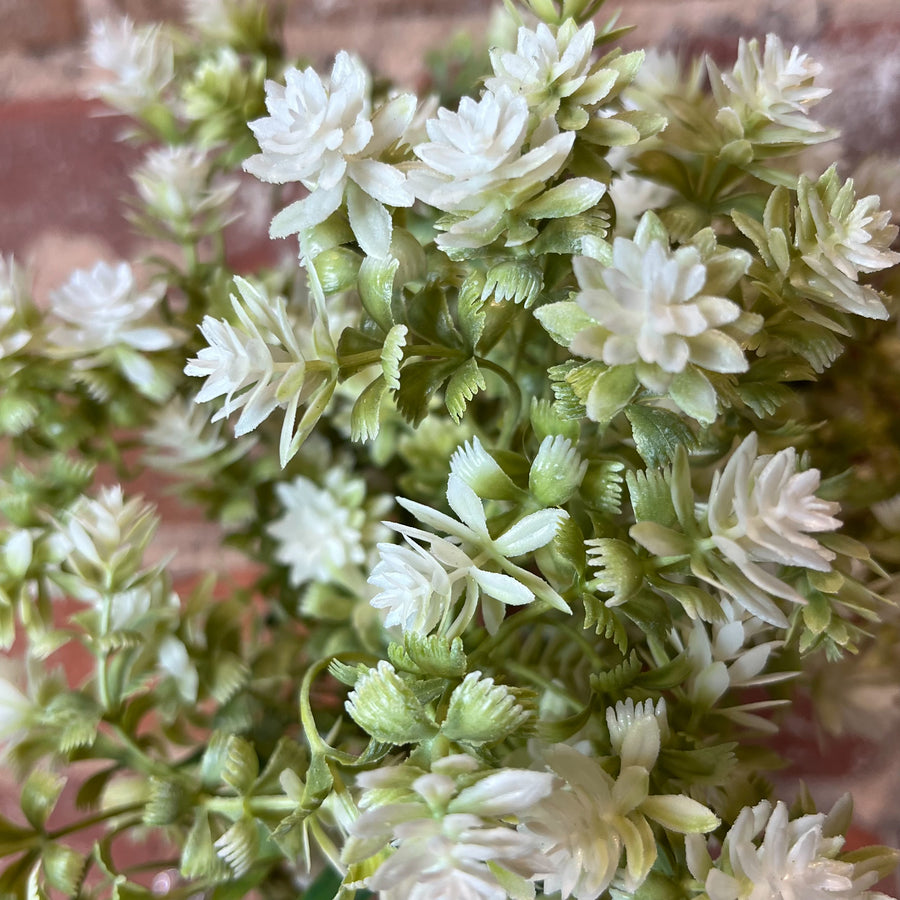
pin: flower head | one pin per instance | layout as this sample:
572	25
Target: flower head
448	830
551	68
325	135
794	859
102	307
323	530
140	59
14	301
476	166
766	97
654	308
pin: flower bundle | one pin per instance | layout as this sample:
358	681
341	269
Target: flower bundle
537	453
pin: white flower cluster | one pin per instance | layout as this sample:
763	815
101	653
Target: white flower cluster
324	531
420	588
761	510
327	137
140	60
796	858
766	97
451	836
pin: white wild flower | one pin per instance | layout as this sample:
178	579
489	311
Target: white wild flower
140	60
652	310
249	362
175	184
413	590
101	308
450	836
326	136
637	730
322	530
14	299
551	69
762	509
767	96
476	166
174	661
768	856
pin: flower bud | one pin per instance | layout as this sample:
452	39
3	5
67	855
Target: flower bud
619	571
482	712
337	269
384	705
556	472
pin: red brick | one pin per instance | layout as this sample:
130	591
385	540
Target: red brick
39	24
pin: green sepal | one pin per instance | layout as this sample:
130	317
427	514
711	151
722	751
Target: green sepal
429	655
694	394
39	795
610	393
376	289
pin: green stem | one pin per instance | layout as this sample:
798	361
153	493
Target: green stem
515	399
97	819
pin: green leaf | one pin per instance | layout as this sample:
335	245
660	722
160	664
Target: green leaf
39	795
563	320
570	198
464	383
694	394
610	393
429	655
365	417
470	309
63	867
419	380
605	621
658	433
651	497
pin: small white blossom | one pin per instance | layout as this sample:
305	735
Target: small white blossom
13	302
174	183
636	731
417	596
853	235
140	59
326	136
323	530
248	363
175	662
549	69
444	828
584	826
101	308
476	166
181	436
652	310
794	860
766	98
761	510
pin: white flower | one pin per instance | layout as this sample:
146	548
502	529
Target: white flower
240	362
853	235
445	829
548	69
767	98
417	596
102	308
325	136
321	531
636	731
174	661
141	61
728	659
13	302
174	182
181	436
475	167
651	309
584	826
795	860
761	510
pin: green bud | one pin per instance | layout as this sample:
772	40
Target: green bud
482	712
238	848
39	796
241	764
619	571
385	706
63	867
432	655
556	472
169	800
337	269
